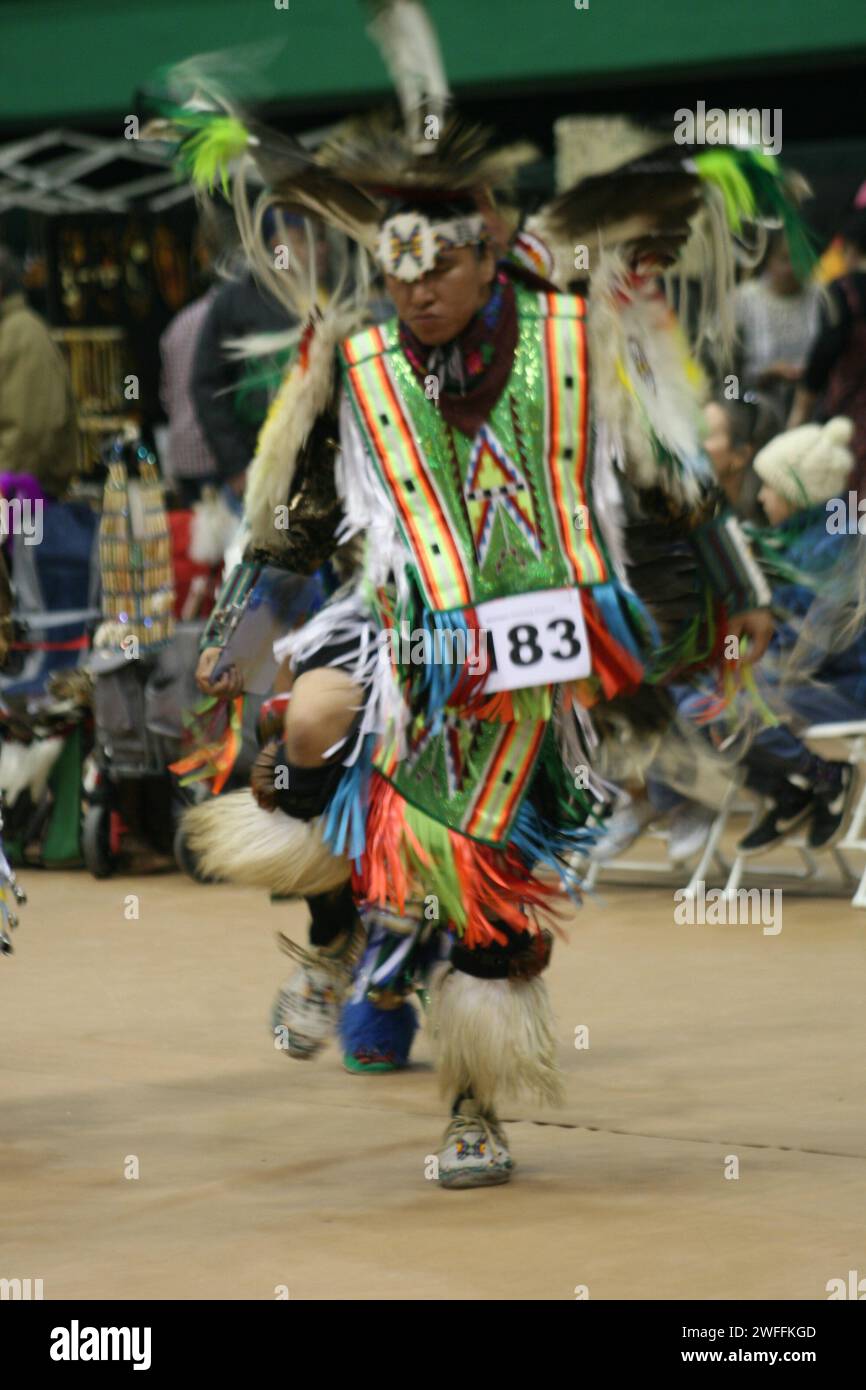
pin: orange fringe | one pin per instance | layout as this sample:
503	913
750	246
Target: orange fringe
494	884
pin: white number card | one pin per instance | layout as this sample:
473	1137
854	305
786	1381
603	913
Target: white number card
535	639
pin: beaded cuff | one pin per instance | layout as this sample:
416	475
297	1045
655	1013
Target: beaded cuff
231	604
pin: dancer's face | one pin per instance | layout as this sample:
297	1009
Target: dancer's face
439	306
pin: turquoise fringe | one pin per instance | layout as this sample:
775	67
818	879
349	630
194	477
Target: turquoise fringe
541	843
345	816
623	613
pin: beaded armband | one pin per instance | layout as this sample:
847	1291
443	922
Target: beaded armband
231	604
726	559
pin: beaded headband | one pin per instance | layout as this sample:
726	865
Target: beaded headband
408	243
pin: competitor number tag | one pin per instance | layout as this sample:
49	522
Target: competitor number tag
535	639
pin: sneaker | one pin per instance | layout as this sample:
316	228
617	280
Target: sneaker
688	828
624	827
831	807
474	1150
305	1012
784	816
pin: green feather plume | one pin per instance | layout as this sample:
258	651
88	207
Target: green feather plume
720	167
755	186
205	154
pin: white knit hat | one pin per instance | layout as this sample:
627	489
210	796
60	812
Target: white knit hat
808	464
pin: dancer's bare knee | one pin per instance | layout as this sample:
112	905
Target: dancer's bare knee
319	714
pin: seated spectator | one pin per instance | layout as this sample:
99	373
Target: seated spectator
736	430
37	407
776	317
686	823
813	673
834	380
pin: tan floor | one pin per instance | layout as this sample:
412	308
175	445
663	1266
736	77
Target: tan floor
149	1038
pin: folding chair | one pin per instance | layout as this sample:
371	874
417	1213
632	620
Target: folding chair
670	873
853	734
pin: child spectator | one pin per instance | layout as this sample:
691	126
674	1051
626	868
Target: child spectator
813	673
736	430
815	664
777	317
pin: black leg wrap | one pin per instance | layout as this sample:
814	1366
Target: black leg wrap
309	788
524	955
331	913
459	1099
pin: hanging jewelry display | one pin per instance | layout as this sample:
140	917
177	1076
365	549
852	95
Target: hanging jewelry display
96	361
135	559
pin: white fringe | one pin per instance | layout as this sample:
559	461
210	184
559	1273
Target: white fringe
292	286
667	405
347	619
303	394
495	1037
608	508
368	509
707	262
575	739
234	840
301	398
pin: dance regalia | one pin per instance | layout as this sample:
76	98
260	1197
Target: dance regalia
484	482
462	790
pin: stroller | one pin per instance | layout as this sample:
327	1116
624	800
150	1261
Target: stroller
142	667
138	708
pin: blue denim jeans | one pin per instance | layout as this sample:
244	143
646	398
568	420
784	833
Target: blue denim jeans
774	754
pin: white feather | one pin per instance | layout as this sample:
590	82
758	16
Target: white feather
302	397
410	49
665	401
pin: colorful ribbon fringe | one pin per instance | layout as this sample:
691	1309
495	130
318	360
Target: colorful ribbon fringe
216	758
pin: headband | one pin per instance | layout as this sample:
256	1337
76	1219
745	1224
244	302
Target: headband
409	242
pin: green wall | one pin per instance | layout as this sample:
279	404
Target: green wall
74	58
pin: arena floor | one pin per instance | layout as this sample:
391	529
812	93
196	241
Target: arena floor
259	1177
